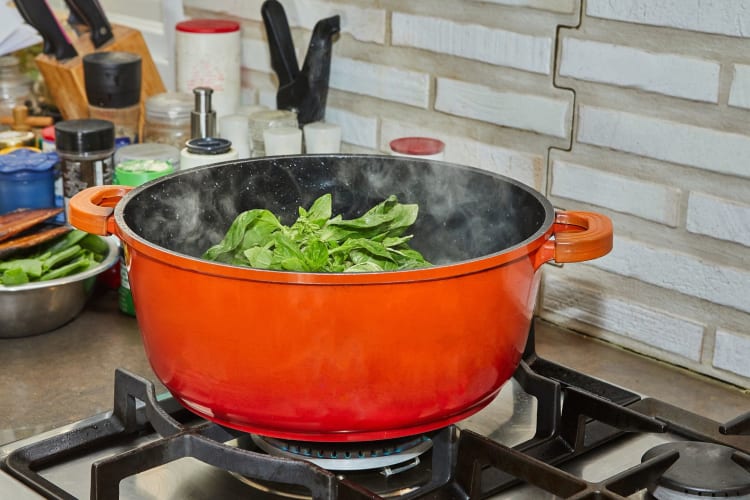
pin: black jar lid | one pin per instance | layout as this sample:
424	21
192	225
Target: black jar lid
208	145
112	79
85	135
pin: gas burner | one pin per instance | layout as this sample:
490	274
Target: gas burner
703	470
382	455
391	468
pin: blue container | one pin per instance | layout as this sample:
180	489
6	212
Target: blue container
27	180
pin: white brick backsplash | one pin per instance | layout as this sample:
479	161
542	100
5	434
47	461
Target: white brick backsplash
473	41
699	147
255	55
732	352
668	74
367	25
537	113
625	194
524	167
565	6
383	82
724	17
684	273
355	129
739	93
720	218
623	317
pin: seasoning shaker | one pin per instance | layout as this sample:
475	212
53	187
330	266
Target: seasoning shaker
86	149
167	119
113	90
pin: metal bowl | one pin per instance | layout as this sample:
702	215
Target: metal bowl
42	306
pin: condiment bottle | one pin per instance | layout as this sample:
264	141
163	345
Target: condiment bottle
167	118
206	150
113	90
86	149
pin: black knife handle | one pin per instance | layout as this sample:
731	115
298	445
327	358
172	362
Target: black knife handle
38	14
280	43
91	12
47	46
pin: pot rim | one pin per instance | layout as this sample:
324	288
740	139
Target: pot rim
438	271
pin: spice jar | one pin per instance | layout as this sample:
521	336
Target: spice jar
113	90
167	119
86	149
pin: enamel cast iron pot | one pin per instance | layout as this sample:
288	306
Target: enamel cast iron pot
339	356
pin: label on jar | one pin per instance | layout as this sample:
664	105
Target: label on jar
78	175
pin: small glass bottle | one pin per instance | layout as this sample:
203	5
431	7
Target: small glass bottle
15	87
113	90
167	119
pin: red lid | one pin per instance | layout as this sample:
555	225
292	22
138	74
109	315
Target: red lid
48	133
421	146
208	26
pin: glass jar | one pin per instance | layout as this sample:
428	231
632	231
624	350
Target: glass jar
113	90
263	120
167	119
15	87
86	150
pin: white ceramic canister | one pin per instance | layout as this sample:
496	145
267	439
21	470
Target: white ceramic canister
208	55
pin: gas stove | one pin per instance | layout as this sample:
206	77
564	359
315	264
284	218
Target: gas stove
552	432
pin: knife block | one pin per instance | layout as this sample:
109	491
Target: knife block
64	79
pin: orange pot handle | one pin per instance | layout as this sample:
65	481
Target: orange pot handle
578	236
91	210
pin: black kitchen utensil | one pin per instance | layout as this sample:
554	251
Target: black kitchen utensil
91	13
39	15
305	90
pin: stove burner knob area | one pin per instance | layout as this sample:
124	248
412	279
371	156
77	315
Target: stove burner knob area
702	470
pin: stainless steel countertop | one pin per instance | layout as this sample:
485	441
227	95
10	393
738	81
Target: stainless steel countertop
67	375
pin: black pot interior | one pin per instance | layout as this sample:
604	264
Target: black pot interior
464	213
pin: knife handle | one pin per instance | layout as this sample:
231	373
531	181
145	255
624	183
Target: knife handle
39	15
91	12
280	43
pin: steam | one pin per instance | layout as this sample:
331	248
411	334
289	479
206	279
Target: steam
464	213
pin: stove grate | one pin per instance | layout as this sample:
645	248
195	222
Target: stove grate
575	414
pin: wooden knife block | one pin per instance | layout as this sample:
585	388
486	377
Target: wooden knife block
64	79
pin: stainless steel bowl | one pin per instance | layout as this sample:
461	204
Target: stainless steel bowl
43	306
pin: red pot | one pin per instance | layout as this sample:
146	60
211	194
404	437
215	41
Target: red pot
337	357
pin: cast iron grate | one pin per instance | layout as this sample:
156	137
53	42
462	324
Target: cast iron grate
464	464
